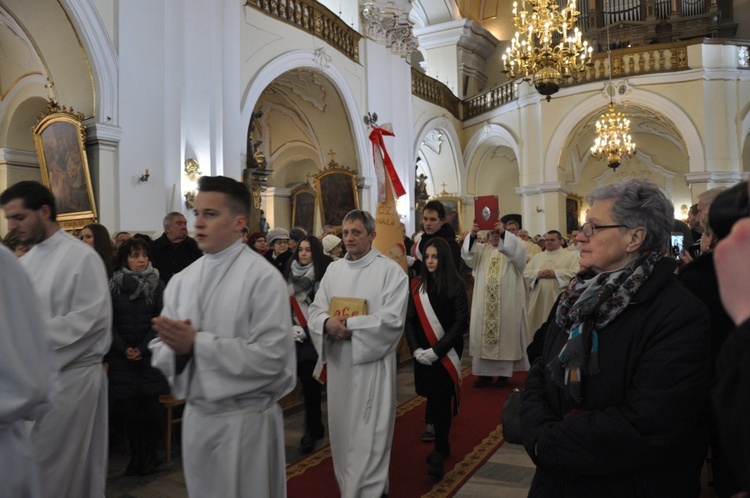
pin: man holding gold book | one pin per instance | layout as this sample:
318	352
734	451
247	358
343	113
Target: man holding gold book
356	322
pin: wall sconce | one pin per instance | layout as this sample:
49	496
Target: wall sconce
190	199
144	178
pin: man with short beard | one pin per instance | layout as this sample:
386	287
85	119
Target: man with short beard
70	440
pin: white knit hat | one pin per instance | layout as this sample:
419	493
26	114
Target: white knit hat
329	242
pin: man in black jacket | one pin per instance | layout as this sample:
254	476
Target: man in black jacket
174	250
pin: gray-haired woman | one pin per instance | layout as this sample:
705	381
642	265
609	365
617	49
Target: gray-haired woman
615	405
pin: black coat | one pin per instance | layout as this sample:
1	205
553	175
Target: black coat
453	314
131	327
640	430
170	259
699	277
731	397
281	261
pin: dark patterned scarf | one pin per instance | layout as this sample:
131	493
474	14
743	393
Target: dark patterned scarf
136	283
591	302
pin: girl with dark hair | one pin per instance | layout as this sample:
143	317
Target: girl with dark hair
134	385
97	236
303	274
437	318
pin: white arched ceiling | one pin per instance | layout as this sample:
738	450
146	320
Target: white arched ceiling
593	105
444	164
490	135
305	59
432	12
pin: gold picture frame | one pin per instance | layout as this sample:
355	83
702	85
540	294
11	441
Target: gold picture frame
59	138
337	193
572	213
453	211
304	201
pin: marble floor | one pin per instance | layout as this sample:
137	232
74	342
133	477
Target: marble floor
507	473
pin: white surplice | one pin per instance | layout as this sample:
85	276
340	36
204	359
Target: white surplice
543	292
71	439
243	362
362	371
27	371
497	329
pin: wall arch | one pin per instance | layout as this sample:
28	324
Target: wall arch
305	59
693	140
445	125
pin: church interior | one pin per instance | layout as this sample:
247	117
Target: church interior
278	92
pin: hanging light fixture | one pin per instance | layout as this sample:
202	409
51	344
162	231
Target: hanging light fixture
612	129
532	55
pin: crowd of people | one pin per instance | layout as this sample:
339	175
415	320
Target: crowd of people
621	341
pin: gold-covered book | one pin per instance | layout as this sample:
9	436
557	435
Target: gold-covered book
347	307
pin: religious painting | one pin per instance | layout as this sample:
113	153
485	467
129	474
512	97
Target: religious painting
452	211
572	213
303	208
337	195
60	144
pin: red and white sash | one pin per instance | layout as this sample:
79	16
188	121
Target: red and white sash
434	331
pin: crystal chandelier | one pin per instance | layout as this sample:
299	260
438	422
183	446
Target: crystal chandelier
612	129
613	140
532	55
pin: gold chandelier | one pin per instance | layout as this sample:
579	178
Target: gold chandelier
612	129
532	55
613	138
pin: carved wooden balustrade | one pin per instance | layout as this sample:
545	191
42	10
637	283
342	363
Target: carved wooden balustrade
489	99
316	19
432	90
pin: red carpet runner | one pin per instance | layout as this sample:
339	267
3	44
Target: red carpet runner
475	435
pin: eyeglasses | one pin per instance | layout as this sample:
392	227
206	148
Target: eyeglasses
589	229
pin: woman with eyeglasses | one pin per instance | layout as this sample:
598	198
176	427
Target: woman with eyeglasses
616	404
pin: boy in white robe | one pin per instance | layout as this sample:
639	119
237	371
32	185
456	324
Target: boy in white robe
360	354
224	346
26	372
70	440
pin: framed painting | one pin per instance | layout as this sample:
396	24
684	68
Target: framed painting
572	213
59	138
303	208
452	211
337	194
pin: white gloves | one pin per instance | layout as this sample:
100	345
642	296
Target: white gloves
299	333
425	356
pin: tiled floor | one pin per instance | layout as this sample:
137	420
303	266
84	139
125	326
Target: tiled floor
507	473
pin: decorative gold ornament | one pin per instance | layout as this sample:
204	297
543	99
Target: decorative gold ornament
192	168
532	55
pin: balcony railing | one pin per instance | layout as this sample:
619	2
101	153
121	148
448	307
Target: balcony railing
316	19
489	99
634	61
431	90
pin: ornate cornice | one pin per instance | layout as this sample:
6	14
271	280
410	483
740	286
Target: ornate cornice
389	24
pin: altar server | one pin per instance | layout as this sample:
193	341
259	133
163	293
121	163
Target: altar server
224	345
547	275
69	440
360	354
26	373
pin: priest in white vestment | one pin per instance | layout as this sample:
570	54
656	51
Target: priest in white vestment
225	344
27	371
70	440
532	248
547	275
497	329
360	355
